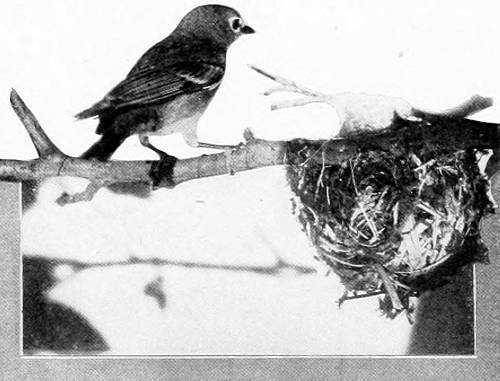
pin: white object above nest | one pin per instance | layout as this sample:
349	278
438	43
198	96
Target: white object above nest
359	112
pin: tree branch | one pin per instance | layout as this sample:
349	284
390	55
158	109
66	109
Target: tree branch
53	162
452	131
254	154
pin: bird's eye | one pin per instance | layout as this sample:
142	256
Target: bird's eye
236	23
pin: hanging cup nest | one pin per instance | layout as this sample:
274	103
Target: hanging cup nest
399	214
395	206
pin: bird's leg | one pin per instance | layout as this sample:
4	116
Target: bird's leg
217	146
146	143
164	170
191	139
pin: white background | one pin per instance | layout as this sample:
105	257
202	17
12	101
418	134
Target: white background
63	56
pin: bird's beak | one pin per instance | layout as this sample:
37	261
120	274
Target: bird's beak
247	29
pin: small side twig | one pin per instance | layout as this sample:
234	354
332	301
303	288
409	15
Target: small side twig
286	84
296	102
389	287
345	297
86	195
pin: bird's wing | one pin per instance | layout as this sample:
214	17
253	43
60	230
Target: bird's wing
156	84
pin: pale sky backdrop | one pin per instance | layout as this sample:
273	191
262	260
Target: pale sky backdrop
62	56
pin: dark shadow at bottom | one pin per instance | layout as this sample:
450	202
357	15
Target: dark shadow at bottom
445	319
49	325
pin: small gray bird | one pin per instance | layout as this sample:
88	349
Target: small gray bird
171	85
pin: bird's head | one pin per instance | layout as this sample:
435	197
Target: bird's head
218	22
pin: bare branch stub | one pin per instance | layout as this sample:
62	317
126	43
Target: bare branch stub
471	106
44	146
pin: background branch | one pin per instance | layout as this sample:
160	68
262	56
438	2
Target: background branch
280	266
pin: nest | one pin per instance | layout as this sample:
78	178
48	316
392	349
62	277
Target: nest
395	219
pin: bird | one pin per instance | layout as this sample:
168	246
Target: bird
170	86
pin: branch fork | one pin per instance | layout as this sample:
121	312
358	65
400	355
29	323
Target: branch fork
52	162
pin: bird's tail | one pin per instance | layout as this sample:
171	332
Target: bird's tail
96	110
105	147
102	150
87	113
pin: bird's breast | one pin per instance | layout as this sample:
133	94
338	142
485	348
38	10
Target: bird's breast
180	114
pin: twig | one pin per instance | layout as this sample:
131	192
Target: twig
286	84
41	141
347	297
471	106
277	268
87	195
389	287
296	102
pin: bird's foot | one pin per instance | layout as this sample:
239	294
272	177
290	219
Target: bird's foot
162	171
